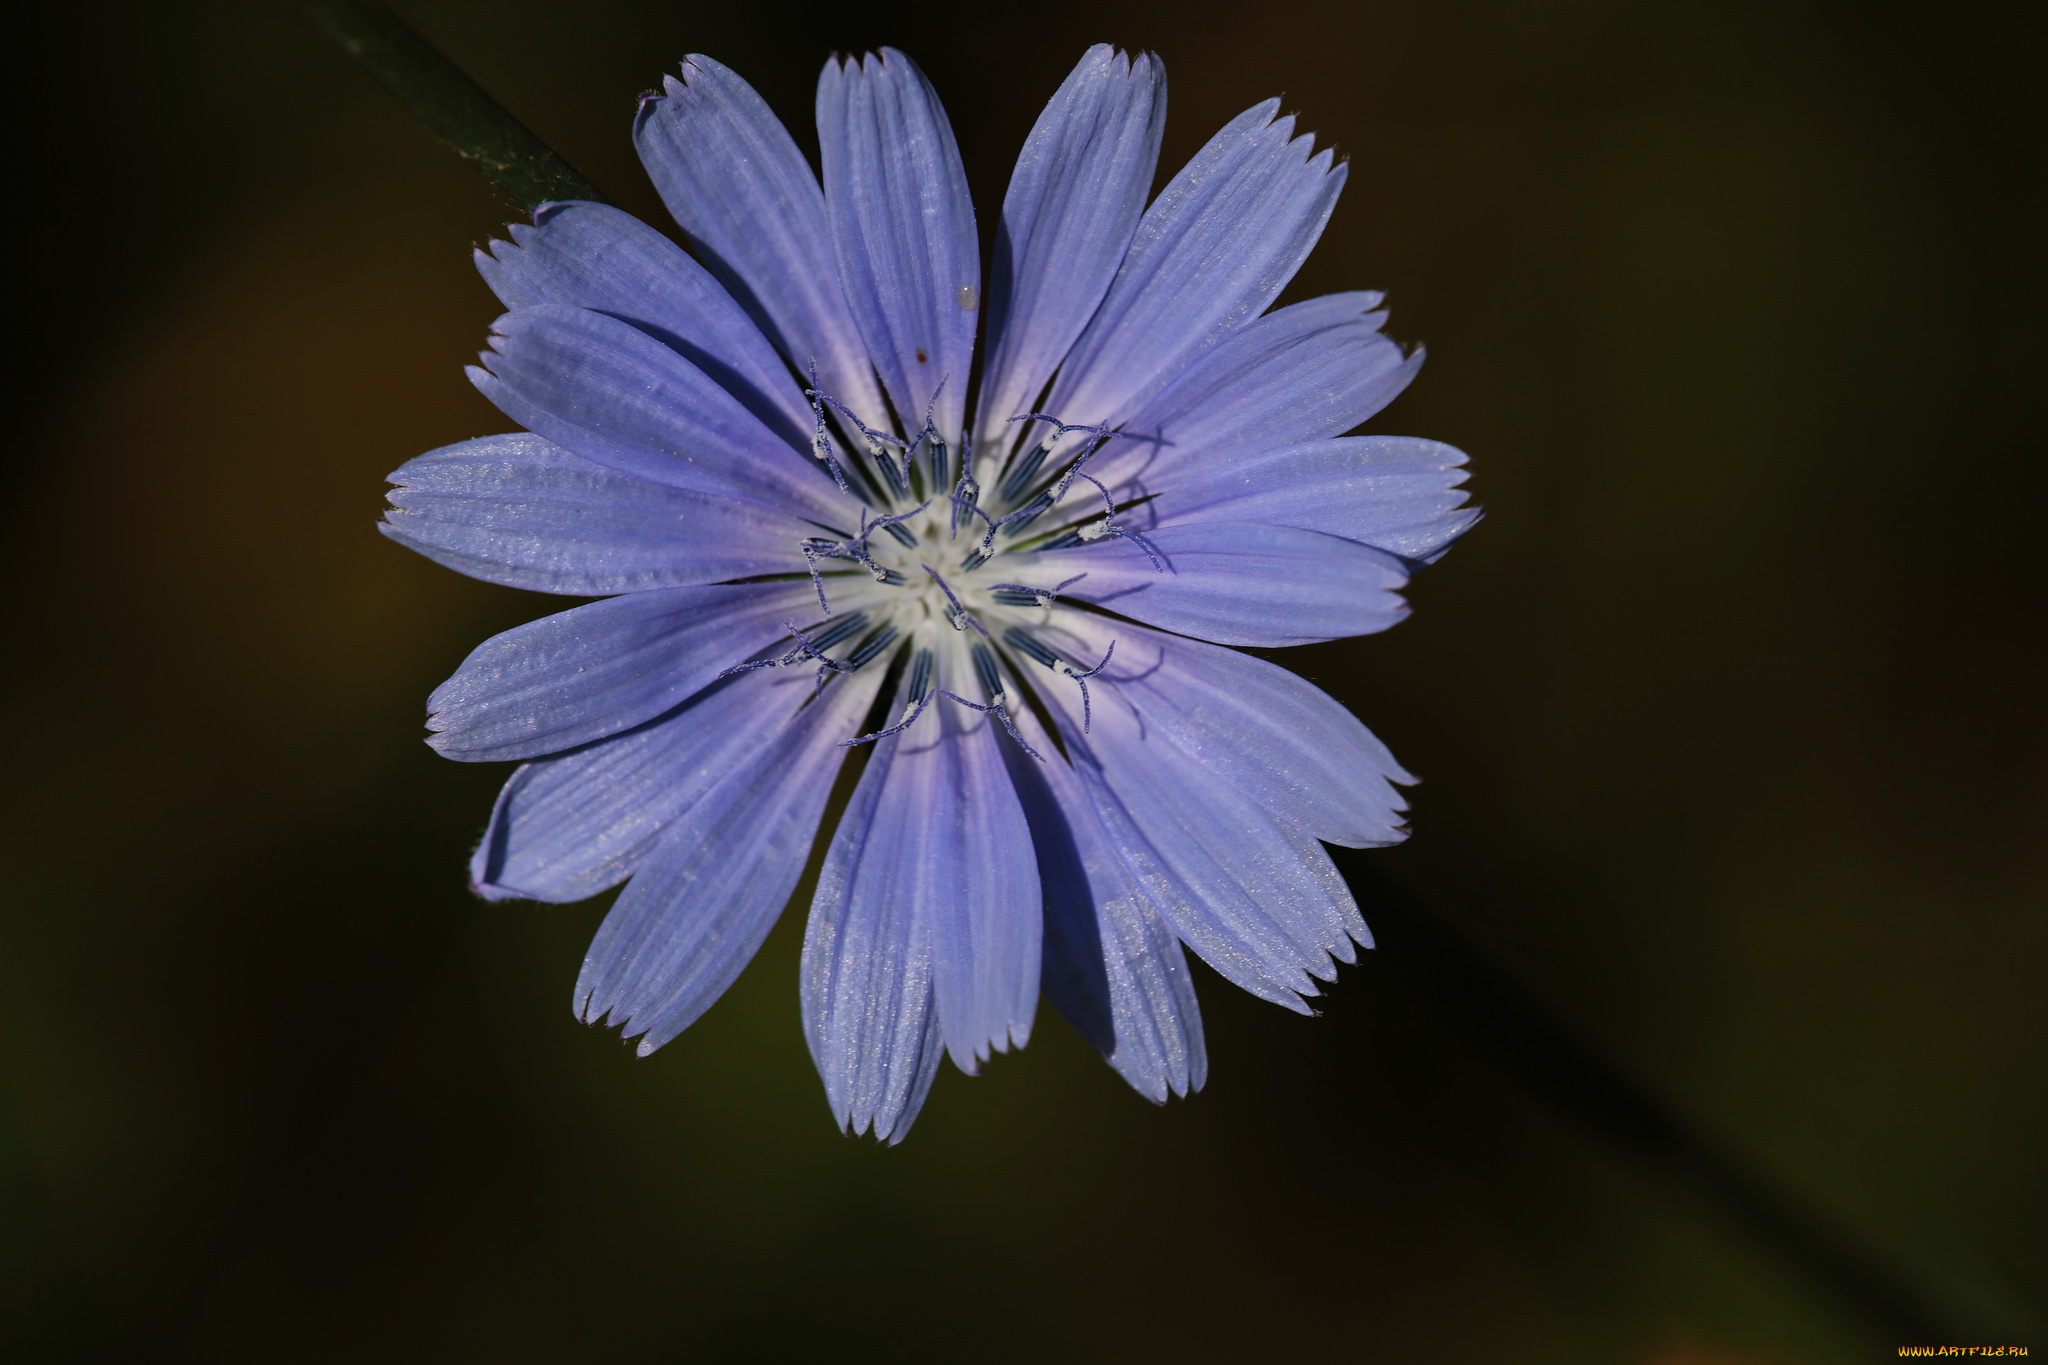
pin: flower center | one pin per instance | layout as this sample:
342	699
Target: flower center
916	583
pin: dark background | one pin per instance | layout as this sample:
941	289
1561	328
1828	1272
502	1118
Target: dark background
1730	715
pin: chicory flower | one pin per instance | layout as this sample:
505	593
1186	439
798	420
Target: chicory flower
759	454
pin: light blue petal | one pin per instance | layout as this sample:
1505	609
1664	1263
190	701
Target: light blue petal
1304	373
1212	252
1397	493
615	395
1072	206
903	227
1256	897
525	512
751	210
597	670
1273	736
595	256
1237	583
868	1011
964	861
1112	966
572	825
1192	890
706	896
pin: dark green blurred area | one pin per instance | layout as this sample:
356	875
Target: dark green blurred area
1730	714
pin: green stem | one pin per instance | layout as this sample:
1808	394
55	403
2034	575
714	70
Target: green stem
452	106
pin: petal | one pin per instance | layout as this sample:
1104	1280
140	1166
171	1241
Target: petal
1397	493
952	808
1276	738
903	227
1112	966
751	210
947	840
595	256
525	512
1212	252
706	896
595	670
1256	897
1238	583
615	395
1072	206
868	1011
1195	893
1314	370
569	826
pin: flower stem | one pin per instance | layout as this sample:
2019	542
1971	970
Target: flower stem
453	107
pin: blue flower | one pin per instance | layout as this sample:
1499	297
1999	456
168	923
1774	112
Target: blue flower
764	465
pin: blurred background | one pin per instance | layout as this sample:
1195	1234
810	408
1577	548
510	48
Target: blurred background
1729	715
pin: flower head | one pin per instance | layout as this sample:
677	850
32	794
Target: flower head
759	453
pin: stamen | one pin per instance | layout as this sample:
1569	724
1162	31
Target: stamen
985	669
998	701
1089	532
964	496
877	440
1024	595
1019	478
1097	435
929	432
1023	517
1067	670
816	548
898	728
882	639
1036	649
821	443
1001	713
957	618
1030	645
839	630
808	648
920	697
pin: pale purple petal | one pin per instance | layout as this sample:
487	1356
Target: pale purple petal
613	394
1267	733
572	825
953	812
595	256
1112	966
1397	493
1255	896
1236	583
525	512
1073	204
903	227
752	211
597	670
706	896
868	1011
1216	247
1194	892
1304	373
